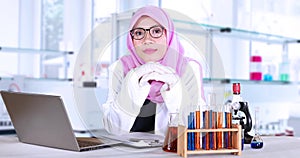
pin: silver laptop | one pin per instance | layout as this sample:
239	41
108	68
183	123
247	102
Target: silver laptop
42	120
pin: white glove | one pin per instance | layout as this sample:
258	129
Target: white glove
172	91
132	94
177	100
135	87
173	97
161	73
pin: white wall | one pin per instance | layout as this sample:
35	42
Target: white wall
9	34
29	37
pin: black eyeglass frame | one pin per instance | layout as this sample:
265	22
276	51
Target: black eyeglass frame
145	30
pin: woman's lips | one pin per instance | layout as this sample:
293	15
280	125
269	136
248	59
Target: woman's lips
149	51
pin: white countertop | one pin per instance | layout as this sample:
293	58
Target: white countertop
273	147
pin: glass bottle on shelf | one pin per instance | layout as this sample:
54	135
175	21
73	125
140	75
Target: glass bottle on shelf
255	67
284	71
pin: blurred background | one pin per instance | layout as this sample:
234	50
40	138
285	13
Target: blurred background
64	47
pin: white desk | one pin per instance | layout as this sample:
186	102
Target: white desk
273	147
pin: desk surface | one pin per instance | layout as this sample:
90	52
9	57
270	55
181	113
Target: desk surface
273	147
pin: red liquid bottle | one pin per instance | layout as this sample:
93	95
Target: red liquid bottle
170	143
255	67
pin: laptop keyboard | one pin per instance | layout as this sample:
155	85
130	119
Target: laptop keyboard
86	142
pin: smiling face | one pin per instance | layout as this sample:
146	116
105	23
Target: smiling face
150	49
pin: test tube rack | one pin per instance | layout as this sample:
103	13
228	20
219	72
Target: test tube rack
182	141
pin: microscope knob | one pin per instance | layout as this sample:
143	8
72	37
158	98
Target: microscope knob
236	105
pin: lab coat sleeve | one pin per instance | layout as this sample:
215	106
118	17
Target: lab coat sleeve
193	81
125	98
186	93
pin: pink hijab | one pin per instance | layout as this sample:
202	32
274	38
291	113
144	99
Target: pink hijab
173	58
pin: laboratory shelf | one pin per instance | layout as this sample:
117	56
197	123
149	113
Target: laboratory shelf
230	81
33	51
47	57
235	32
38	79
210	32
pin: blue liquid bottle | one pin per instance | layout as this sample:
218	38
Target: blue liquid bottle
256	142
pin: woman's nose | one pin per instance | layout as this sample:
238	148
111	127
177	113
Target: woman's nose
147	39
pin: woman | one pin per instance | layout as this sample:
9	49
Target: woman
155	79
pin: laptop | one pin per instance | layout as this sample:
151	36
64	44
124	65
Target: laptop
42	119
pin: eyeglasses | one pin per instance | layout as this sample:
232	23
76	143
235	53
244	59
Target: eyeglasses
154	31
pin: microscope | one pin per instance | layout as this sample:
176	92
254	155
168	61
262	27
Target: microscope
240	113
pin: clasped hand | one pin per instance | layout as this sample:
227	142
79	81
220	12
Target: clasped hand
157	72
136	86
171	91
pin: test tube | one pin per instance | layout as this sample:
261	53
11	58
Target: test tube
212	121
189	147
205	137
220	125
213	135
191	135
228	124
197	135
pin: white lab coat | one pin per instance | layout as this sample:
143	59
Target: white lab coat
118	121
